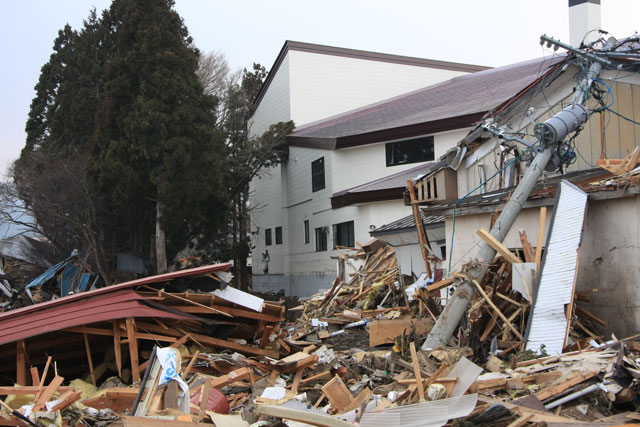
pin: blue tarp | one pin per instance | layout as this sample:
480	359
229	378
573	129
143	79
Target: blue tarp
70	280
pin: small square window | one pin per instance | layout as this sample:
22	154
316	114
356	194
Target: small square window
317	174
306	231
321	239
278	235
343	235
267	237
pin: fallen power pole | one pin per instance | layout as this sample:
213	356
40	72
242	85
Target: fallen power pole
549	135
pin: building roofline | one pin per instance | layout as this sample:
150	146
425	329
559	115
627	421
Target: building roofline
357	54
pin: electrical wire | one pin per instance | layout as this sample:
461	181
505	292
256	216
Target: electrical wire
453	226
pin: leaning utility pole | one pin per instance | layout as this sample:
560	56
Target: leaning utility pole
549	134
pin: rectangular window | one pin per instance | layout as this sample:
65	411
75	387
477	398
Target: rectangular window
410	151
306	231
321	239
267	237
278	235
343	235
317	174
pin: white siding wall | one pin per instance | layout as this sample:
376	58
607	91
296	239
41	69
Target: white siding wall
325	85
275	105
359	165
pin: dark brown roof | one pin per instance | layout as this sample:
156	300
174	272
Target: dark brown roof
390	187
408	223
453	104
358	54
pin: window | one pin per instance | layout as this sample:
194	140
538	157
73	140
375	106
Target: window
306	231
267	237
343	235
278	235
321	239
410	151
317	174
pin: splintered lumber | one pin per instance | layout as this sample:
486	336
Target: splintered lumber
68	398
527	249
117	346
416	369
338	394
497	310
230	378
499	247
546	393
48	393
364	396
585	313
35	377
418	220
20	390
89	358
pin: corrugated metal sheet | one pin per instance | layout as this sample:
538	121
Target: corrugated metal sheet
428	414
99	308
548	323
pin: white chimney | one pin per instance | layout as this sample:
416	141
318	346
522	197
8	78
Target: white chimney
584	18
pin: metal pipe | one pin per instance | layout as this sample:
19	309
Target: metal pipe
572	396
456	308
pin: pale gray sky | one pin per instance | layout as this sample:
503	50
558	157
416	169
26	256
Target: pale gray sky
489	32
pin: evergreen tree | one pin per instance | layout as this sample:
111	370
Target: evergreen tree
156	151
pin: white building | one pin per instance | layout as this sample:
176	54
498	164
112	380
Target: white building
331	192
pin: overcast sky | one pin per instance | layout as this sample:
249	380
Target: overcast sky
489	32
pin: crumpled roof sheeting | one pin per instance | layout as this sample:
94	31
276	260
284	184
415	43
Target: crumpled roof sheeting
548	321
468	94
16	325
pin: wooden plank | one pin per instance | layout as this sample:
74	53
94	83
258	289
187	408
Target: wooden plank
68	398
204	396
506	298
527	249
582	312
521	421
337	393
133	349
109	332
498	246
386	331
440	284
129	421
190	365
312	418
188	301
48	393
35	377
215	342
230	378
236	312
416	369
539	244
296	381
497	310
419	226
117	348
364	396
22	390
549	392
21	363
89	359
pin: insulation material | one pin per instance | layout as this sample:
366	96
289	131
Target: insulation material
548	322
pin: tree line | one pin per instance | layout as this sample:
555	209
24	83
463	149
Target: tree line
136	141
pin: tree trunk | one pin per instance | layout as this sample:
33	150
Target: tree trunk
161	250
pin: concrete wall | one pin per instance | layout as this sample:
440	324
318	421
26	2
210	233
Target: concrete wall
609	261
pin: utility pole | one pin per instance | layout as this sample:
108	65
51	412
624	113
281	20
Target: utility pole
549	134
